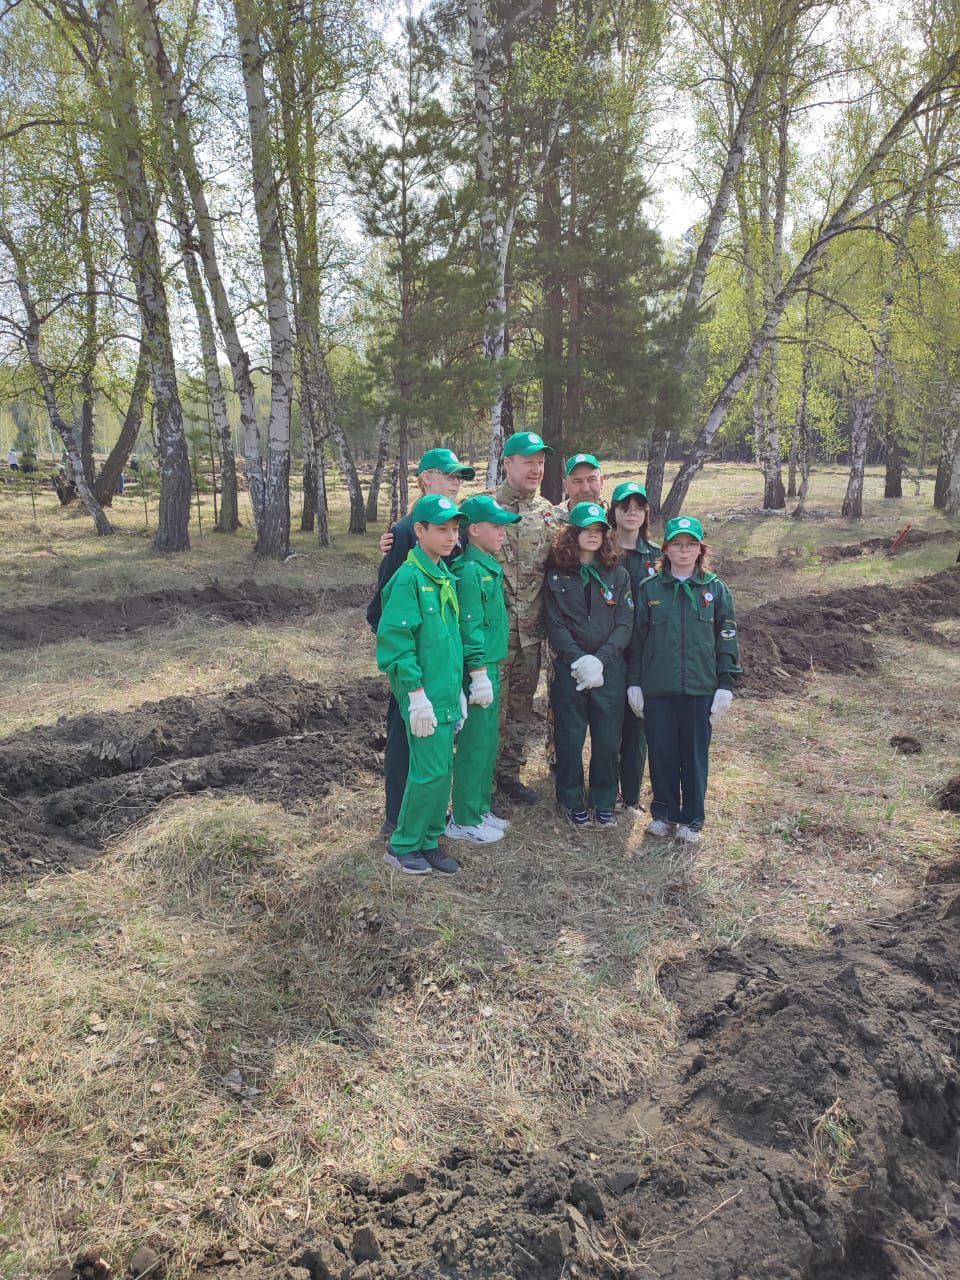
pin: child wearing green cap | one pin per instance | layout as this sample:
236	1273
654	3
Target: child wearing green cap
629	517
484	631
419	649
589	616
684	662
439	472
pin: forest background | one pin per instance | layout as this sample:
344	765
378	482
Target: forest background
241	238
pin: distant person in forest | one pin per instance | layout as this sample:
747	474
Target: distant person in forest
439	472
683	665
420	650
28	460
629	517
589	618
484	631
12	461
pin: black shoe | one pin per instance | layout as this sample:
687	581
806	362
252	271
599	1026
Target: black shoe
578	818
605	818
388	828
497	811
440	861
412	864
518	792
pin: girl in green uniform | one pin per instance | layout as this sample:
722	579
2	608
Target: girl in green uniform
684	662
629	517
588	609
420	650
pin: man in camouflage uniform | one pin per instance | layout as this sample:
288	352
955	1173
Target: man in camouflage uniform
523	558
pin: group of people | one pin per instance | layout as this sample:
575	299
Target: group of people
643	641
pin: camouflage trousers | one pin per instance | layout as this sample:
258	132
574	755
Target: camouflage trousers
519	676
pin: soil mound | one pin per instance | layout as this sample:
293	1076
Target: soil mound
834	632
948	797
730	567
68	788
249	602
807	1129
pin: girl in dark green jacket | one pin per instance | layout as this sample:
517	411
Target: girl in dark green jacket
684	663
629	517
588	608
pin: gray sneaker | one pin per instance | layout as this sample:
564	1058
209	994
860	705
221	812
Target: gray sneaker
411	864
687	835
439	861
661	830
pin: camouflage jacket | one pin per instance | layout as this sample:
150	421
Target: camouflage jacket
523	557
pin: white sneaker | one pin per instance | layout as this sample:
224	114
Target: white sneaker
498	824
480	834
660	829
687	835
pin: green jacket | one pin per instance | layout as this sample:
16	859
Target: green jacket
685	637
582	619
418	637
641	563
484	629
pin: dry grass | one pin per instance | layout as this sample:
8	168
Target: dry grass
235	1005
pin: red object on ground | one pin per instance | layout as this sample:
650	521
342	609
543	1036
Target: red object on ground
900	537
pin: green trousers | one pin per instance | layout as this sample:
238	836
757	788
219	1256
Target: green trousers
600	711
633	756
476	757
423	814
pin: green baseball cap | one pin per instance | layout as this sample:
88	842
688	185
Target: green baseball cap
576	459
587	513
444	460
433	509
628	489
486	510
683	524
525	443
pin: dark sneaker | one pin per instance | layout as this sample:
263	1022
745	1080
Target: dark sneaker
412	864
605	818
578	818
517	792
439	861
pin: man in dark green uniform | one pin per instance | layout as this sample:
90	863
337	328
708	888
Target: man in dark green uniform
420	650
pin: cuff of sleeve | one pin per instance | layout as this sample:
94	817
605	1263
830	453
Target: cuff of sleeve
725	682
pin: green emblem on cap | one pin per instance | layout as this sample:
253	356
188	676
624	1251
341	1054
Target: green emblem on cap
578	459
483	509
627	489
525	443
587	513
444	460
434	509
683	524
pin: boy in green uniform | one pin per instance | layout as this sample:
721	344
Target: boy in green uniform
629	517
684	662
589	611
420	650
485	631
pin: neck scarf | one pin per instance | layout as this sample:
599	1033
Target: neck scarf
439	574
590	570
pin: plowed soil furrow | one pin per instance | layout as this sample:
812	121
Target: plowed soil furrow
247	602
66	790
808	1128
791	638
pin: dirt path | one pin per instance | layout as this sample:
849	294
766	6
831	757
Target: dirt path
249	602
806	1130
67	788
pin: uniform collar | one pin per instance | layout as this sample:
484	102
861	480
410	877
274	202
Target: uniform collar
435	571
482	558
698	579
507	493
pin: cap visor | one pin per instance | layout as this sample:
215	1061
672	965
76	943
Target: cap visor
594	520
468	473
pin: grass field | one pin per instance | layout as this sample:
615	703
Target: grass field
235	1003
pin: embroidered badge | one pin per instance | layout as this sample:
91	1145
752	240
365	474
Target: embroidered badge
594	511
728	633
708	597
651	571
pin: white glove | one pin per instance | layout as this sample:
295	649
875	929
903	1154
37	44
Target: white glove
463	714
423	719
635	700
481	690
588	672
720	705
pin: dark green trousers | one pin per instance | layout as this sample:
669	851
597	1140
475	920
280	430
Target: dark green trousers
396	761
633	756
678	748
600	711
